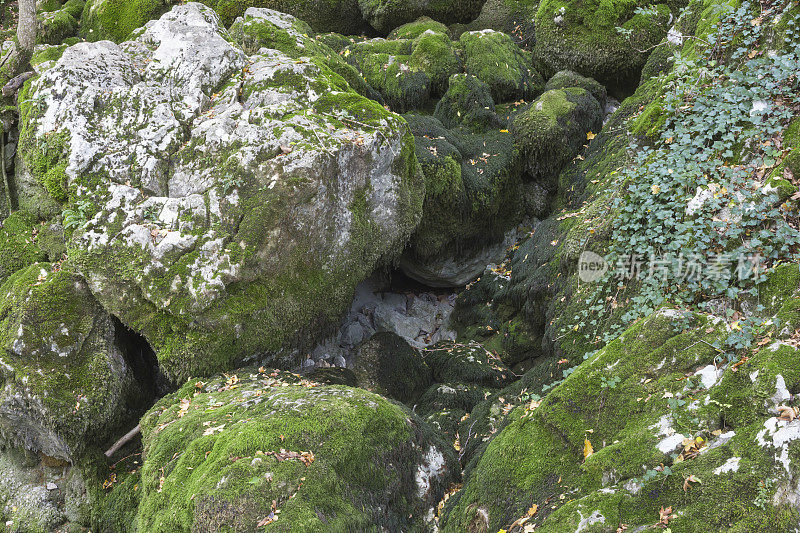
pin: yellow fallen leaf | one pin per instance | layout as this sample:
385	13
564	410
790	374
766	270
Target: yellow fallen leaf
590	136
503	131
587	448
532	511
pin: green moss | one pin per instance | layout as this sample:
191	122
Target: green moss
216	462
114	20
19	246
435	55
51	53
386	15
55	27
493	58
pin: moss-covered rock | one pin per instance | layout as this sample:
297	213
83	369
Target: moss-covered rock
385	364
341	16
260	447
470	363
581	35
435	55
185	234
386	15
412	30
553	129
114	20
655	410
473	184
468	101
56	26
68	384
567	78
495	59
514	17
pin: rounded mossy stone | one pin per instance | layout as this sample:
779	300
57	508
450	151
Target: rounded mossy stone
553	129
386	15
581	35
495	59
114	20
468	101
451	397
67	385
473	188
19	243
338	42
54	27
74	8
386	67
234	450
340	16
387	365
435	55
48	6
567	78
621	401
412	30
467	363
332	375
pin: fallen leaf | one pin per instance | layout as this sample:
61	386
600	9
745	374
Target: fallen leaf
587	448
786	413
590	136
687	482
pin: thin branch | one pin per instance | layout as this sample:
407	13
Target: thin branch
129	436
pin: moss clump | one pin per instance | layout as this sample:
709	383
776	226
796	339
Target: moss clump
50	53
19	243
472	363
567	78
553	129
386	365
495	59
514	17
114	20
218	454
581	35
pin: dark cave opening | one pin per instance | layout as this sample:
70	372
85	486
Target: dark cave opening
141	358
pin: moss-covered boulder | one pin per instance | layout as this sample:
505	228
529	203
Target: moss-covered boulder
340	16
435	55
53	27
257	447
387	365
114	20
495	59
514	17
473	183
68	383
553	129
386	15
412	30
468	101
646	426
581	35
567	78
224	205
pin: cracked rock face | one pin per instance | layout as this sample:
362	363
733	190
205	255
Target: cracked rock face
232	201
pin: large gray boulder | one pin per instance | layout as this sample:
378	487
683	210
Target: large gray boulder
232	202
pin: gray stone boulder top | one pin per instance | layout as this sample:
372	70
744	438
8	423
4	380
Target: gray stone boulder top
232	202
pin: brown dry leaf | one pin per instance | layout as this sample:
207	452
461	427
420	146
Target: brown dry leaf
622	528
786	413
688	481
212	430
184	408
267	520
665	515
